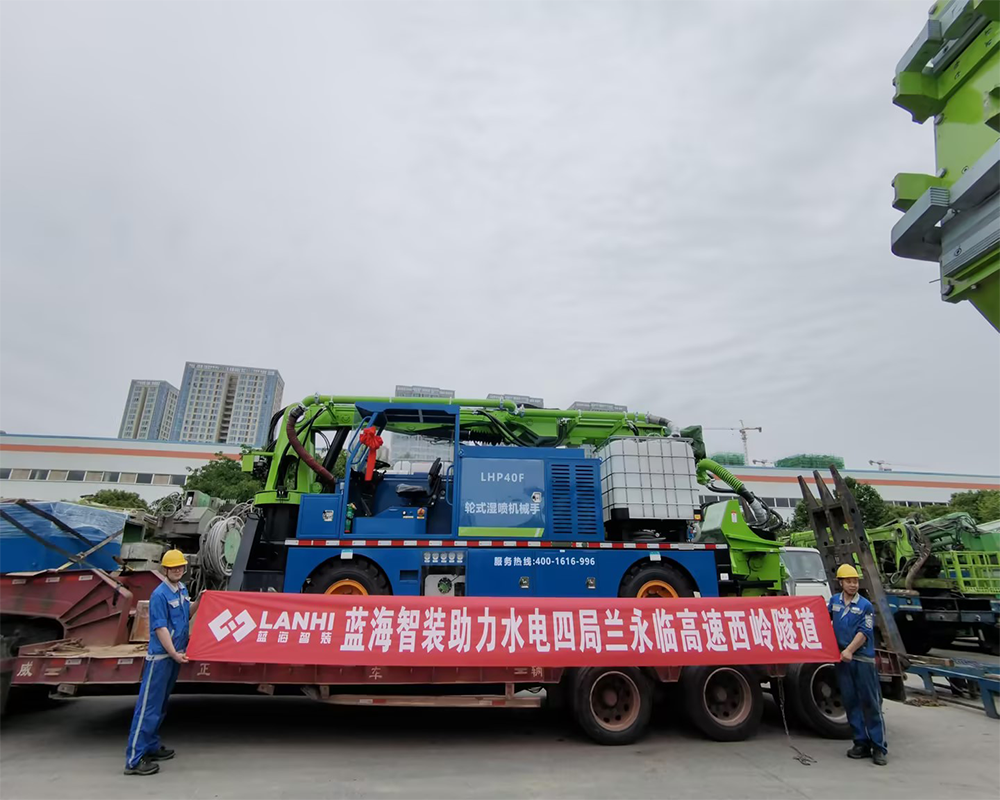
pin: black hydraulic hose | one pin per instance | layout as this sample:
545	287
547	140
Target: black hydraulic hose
923	554
513	438
499	427
306	427
294	416
334	450
272	429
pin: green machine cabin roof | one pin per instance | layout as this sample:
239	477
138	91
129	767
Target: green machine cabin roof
951	75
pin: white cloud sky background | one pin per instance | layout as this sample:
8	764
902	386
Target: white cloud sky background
682	207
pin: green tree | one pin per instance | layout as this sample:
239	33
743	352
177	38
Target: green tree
800	519
891	513
117	498
340	468
224	478
982	506
870	502
927	513
988	506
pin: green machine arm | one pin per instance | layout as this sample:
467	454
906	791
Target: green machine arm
287	473
951	73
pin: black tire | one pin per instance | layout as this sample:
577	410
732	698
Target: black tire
918	642
556	702
725	703
645	572
812	696
612	705
989	639
942	641
359	572
23	699
7	676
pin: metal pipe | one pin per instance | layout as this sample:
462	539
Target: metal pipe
432	401
506	405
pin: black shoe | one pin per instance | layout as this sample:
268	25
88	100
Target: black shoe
144	767
880	758
163	754
859	751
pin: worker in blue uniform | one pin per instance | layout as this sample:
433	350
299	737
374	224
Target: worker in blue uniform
854	625
170	610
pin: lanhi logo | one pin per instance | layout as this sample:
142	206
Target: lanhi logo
240	626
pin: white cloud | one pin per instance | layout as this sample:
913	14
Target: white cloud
683	207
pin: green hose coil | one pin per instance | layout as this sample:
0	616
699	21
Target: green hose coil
707	465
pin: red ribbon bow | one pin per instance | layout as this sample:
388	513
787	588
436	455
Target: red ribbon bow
371	440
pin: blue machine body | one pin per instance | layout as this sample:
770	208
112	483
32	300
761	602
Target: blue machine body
506	571
514	521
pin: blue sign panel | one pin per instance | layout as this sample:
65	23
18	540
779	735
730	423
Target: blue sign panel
502	497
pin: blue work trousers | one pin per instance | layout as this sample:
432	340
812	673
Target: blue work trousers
862	696
158	681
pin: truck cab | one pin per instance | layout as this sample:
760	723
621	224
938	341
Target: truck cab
805	574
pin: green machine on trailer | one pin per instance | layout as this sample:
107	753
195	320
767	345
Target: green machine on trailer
951	74
942	579
286	544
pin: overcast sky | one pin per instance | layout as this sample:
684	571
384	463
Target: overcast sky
682	207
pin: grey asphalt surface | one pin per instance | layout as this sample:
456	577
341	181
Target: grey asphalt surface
289	747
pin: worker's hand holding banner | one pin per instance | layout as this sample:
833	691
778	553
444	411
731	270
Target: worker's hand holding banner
269	628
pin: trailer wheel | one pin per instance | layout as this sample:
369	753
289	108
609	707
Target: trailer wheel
612	704
355	577
655	580
724	703
812	695
918	642
15	699
6	676
989	639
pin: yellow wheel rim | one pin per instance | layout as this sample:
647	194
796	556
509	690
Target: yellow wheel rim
345	586
657	589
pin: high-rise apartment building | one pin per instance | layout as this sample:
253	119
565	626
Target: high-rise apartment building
149	410
227	404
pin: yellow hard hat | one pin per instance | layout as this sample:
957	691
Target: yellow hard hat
175	558
847	571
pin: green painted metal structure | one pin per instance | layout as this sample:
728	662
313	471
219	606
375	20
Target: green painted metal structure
961	559
951	74
754	560
483	421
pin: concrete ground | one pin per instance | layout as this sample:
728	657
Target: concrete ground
288	747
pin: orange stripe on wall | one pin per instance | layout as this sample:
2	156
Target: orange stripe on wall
875	482
189	454
110	451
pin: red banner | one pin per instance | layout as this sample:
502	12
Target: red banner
269	628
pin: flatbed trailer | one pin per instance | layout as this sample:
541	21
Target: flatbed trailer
435	537
962	676
620	698
612	704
